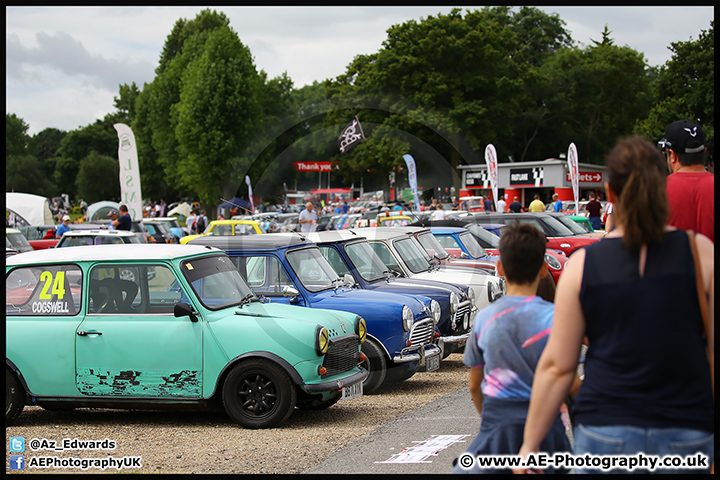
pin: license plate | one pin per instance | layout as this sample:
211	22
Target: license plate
432	363
352	391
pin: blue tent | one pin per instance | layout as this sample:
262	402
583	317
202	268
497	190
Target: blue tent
236	203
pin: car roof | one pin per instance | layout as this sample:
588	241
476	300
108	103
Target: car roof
334	236
234	222
109	233
448	229
126	252
266	241
12	230
384	233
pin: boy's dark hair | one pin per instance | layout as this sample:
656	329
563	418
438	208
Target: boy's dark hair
522	252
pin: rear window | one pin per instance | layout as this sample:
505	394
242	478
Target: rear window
43	290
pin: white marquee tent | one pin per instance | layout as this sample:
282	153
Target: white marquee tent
33	209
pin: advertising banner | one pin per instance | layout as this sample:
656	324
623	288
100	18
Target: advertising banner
491	160
412	179
130	194
574	174
313	166
250	195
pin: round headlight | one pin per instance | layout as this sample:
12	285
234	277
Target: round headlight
322	340
466	321
491	292
435	310
552	262
454	302
471	295
361	329
407	318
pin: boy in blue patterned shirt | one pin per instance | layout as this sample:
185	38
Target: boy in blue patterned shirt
503	350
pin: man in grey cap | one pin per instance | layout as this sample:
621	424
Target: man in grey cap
690	188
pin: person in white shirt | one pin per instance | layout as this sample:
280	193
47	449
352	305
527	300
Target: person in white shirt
439	213
501	205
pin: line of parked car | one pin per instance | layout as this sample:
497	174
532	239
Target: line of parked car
219	323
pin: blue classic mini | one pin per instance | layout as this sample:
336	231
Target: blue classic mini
350	253
289	268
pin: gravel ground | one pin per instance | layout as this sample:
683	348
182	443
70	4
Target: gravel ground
208	442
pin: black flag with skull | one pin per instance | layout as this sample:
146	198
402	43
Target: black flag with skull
351	135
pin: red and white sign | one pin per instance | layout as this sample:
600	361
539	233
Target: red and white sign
313	166
586	177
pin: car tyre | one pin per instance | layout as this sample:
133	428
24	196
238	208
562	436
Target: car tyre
258	394
398	373
375	364
318	404
14	397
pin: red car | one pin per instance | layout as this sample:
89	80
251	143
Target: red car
466	240
558	235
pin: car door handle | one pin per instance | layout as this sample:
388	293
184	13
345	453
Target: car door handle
83	333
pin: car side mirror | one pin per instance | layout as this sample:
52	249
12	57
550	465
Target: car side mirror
182	309
289	291
348	280
464	255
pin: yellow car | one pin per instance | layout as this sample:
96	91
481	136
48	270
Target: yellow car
394	221
228	227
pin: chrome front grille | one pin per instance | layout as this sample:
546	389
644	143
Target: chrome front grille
343	354
422	332
463	309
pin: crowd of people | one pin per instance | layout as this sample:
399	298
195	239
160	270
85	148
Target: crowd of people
639	300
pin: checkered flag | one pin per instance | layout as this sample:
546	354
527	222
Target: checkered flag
351	135
538	176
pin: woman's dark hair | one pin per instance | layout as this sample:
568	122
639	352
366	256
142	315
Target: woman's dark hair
636	173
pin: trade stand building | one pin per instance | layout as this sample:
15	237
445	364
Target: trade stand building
525	179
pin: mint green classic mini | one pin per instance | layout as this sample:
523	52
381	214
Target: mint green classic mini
134	326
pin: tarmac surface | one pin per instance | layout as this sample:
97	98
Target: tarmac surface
423	441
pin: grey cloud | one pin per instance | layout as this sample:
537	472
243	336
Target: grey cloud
62	52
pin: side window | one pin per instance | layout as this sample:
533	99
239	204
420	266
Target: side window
448	241
384	253
334	259
265	274
43	290
139	289
255	271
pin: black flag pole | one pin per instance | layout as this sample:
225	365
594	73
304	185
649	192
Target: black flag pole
351	135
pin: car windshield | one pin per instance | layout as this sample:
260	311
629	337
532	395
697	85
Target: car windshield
485	238
415	257
554	228
313	270
571	224
473	247
216	281
17	241
431	244
366	261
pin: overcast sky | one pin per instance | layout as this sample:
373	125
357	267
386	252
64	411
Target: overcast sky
64	64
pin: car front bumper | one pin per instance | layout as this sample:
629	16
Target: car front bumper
335	384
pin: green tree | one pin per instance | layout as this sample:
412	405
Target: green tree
217	116
604	90
44	145
453	82
125	102
24	174
685	89
16	137
98	178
